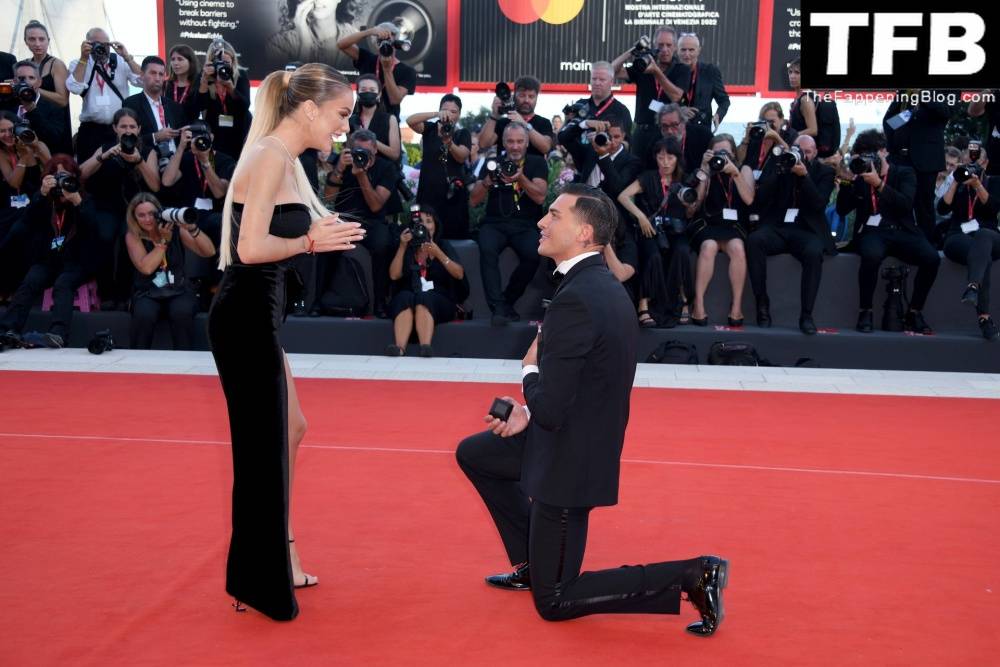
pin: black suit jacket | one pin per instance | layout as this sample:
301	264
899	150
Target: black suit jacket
49	122
895	202
172	111
708	86
919	143
811	193
696	141
579	399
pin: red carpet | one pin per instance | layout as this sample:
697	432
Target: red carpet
113	549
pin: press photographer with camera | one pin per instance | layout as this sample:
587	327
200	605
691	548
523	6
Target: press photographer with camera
514	186
972	202
601	105
727	195
224	97
157	240
659	79
518	107
160	118
183	76
367	115
198	176
101	76
361	181
663	212
693	138
428	283
988	103
58	220
397	78
705	86
792	194
760	138
882	194
115	173
22	157
444	178
46	118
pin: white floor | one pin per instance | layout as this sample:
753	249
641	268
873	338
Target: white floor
809	380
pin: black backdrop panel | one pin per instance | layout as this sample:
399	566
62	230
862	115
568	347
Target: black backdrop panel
261	31
786	42
494	47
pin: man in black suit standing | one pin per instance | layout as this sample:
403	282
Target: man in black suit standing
914	133
543	469
45	118
160	117
705	86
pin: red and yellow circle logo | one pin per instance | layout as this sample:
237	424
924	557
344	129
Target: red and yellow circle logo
551	11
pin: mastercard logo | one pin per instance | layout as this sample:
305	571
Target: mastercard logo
550	11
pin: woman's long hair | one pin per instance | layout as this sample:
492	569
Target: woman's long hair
222	46
194	67
280	94
131	222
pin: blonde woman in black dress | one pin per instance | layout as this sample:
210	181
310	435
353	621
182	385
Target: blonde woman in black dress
270	216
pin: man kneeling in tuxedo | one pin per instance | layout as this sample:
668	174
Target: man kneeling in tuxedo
542	470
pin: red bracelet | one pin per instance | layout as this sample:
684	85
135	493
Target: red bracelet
312	245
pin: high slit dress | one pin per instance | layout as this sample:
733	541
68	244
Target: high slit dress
243	328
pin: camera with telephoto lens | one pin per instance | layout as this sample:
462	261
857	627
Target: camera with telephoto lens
65	184
128	143
503	166
642	54
602	139
421	234
786	158
389	46
975	151
447	128
360	157
100	50
102	342
686	194
223	70
719	160
201	136
23	91
864	163
23	132
182	215
507	104
964	172
759	129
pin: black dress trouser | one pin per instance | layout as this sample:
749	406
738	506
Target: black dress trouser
977	250
553	539
802	244
64	278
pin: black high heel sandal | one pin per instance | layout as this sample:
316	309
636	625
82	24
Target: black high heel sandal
310	579
735	322
238	606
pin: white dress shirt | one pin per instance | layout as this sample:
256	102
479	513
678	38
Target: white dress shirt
101	103
596	175
156	107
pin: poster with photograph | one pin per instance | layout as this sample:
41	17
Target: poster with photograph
268	34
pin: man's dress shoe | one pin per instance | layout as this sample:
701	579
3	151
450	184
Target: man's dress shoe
518	580
707	595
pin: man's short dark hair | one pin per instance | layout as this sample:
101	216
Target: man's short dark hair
450	97
152	60
27	63
594	208
528	83
361	135
616	121
869	141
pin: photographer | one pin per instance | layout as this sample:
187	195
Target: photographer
57	220
368	116
116	172
101	77
761	137
705	85
182	81
972	237
198	176
693	138
224	96
156	245
361	181
428	284
443	176
914	134
663	293
514	191
991	110
882	194
21	164
160	118
792	195
727	194
398	79
46	118
662	81
601	105
812	116
524	99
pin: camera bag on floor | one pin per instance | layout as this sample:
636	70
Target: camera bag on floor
726	353
673	352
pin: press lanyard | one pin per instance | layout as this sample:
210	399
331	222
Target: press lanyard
221	92
694	81
728	193
972	204
604	107
184	96
874	198
159	110
201	177
665	188
378	68
58	219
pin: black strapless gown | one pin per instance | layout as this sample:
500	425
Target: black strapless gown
243	327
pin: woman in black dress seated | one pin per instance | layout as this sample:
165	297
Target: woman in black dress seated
726	193
428	285
157	250
271	215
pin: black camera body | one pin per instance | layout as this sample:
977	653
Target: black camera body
128	143
964	172
100	50
23	132
719	160
102	342
759	129
223	70
503	166
201	135
602	139
181	215
641	55
24	92
786	158
65	184
447	128
507	104
389	46
421	234
864	163
360	157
